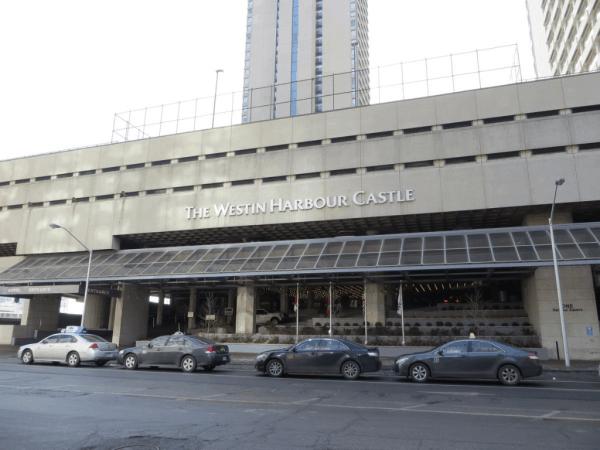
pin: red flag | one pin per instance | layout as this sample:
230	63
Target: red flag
296	301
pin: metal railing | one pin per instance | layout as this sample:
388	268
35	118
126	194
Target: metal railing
415	79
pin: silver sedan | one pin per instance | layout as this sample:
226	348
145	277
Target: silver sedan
71	348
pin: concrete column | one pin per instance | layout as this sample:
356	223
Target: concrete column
375	303
192	309
389	297
111	313
246	310
283	300
579	304
96	313
159	308
230	303
41	312
131	315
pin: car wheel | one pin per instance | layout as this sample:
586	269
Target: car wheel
73	359
27	357
275	321
188	364
208	368
275	368
419	373
131	362
351	370
509	375
101	363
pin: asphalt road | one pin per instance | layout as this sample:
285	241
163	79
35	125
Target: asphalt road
43	406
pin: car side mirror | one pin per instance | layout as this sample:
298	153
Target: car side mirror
440	352
44	342
294	350
149	345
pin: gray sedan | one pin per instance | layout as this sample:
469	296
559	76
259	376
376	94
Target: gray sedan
71	348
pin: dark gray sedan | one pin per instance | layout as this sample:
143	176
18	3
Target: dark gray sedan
320	356
186	352
471	358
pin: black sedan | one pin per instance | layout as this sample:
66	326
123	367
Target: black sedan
320	356
186	352
470	358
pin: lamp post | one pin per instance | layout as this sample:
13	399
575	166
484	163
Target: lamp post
87	279
215	102
557	183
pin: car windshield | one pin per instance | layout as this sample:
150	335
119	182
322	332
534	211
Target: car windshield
92	338
201	340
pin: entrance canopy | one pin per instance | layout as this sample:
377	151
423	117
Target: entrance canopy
491	248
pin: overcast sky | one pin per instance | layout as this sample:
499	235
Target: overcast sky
69	66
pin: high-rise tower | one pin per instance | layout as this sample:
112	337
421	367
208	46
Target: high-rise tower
305	56
565	35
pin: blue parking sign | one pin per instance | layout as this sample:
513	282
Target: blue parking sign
589	331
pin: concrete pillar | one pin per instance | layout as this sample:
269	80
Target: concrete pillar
283	300
389	297
230	304
159	308
579	304
192	309
96	313
246	309
375	303
111	313
41	312
131	315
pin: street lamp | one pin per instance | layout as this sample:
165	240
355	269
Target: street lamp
559	182
87	280
215	103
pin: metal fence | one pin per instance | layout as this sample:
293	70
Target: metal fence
415	79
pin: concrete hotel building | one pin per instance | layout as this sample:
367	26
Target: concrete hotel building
565	35
294	47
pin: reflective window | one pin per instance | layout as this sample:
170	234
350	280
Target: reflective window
484	347
92	338
331	345
307	346
456	347
52	339
176	341
159	341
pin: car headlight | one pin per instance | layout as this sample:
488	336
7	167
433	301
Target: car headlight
401	361
373	354
261	356
121	352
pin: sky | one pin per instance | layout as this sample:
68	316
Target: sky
68	66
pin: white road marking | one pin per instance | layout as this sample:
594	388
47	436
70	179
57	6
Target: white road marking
456	393
309	400
550	414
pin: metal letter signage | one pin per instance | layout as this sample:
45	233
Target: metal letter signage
275	205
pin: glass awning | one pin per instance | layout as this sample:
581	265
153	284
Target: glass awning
502	247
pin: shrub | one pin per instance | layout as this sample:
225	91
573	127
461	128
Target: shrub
515	324
481	324
444	308
526	324
414	331
355	324
406	324
455	331
448	324
317	324
346	324
389	323
492	324
288	340
451	308
434	332
471	324
439	323
504	324
337	324
459	324
273	340
307	331
428	324
417	324
528	331
271	327
378	324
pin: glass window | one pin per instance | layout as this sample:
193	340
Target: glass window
484	347
249	19
248	45
249	29
330	345
308	346
92	338
353	33
176	341
353	14
455	347
247	63
247	72
201	340
66	339
51	339
353	23
246	82
352	5
245	118
248	55
159	341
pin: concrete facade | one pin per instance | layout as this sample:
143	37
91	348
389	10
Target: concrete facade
246	309
97	312
131	316
375	300
579	305
565	36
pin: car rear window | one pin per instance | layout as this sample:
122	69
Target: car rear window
201	340
92	338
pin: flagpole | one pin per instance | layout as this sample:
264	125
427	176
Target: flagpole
365	296
401	310
330	310
297	308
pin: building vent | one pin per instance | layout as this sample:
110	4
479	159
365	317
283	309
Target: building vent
548	150
212	185
135	166
36	205
460	160
156	191
100	198
499	119
16	206
216	155
537	115
187	159
162	162
130	194
242	182
416	164
593	146
338	172
304	176
58	202
248	151
417	130
4	183
22	181
46	178
274	179
108	169
584	109
86	172
503	155
183	189
276	148
380	168
81	200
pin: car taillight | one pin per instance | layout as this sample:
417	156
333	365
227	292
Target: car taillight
211	349
94	346
532	356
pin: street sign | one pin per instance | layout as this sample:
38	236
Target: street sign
210	317
229	311
589	331
15	291
191	314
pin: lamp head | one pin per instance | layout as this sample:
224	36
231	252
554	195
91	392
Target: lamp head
55	225
559	181
219	70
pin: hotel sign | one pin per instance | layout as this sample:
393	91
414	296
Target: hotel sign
275	205
15	291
